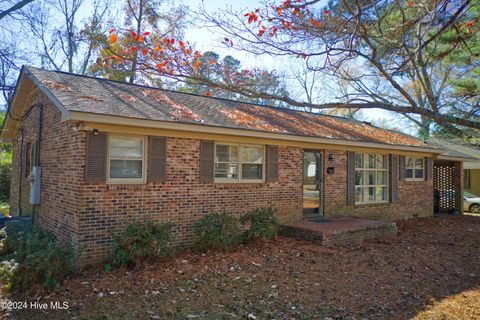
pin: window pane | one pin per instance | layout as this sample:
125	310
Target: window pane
359	194
409	162
126	147
222	153
371	161
381	193
409	173
418	162
371	194
359	180
359	160
252	154
381	161
381	177
418	173
226	153
251	171
226	170
371	177
120	169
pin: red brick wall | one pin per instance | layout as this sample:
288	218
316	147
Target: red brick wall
182	199
62	172
415	198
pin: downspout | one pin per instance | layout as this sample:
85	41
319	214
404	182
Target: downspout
37	155
19	205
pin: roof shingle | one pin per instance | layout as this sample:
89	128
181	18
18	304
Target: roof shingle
100	96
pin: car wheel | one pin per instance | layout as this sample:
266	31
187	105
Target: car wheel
475	208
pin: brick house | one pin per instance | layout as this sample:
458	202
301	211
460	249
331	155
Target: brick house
111	152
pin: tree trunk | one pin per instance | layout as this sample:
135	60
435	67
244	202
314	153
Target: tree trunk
133	71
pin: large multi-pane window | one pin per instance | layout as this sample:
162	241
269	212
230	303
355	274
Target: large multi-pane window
370	178
414	168
126	161
238	163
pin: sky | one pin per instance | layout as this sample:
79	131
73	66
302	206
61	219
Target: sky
205	38
208	39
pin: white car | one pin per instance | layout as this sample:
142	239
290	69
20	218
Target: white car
471	203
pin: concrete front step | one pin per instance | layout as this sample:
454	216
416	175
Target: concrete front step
340	231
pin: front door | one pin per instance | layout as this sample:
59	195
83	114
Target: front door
312	183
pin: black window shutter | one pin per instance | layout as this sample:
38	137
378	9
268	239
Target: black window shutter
207	150
350	178
96	157
271	163
402	167
157	159
393	177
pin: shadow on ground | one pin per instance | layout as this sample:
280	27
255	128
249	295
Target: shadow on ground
430	263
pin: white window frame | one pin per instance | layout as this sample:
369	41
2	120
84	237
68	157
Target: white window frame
415	168
239	164
365	186
141	180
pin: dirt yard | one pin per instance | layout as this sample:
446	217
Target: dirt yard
431	270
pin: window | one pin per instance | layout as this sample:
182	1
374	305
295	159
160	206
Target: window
466	179
370	178
238	163
126	161
414	169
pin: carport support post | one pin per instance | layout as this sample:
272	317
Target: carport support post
458	183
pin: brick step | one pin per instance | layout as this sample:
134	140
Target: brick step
338	232
312	216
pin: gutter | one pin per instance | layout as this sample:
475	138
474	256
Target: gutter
202	128
452	158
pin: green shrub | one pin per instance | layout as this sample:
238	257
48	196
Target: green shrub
4	209
217	231
8	272
38	257
140	243
263	224
5	180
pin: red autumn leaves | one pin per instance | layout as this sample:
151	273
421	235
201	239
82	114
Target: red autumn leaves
290	16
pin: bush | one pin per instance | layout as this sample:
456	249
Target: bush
4	181
8	272
38	257
217	231
263	224
4	209
140	243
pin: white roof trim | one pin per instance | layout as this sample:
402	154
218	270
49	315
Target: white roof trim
145	123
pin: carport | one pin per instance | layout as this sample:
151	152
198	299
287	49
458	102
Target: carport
448	176
448	186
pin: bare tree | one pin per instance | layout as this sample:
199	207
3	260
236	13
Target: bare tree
395	42
66	44
13	7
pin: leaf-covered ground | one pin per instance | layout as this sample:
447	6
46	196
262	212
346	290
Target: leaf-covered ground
431	270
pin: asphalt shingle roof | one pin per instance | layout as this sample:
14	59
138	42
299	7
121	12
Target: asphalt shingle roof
100	96
455	148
